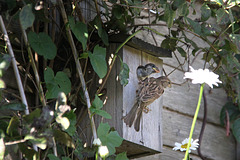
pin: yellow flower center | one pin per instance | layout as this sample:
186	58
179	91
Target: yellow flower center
185	146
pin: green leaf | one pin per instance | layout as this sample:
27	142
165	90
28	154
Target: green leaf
169	43
195	25
169	16
66	158
59	83
13	106
124	73
5	61
183	10
80	31
236	40
26	16
232	110
236	129
39	142
97	103
103	114
84	55
30	117
27	151
2	85
117	11
52	157
98	61
42	44
72	118
222	16
63	121
13	126
63	138
205	12
121	156
101	32
178	3
181	51
111	139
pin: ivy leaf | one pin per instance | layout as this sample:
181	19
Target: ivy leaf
96	108
80	31
111	139
236	129
232	110
42	44
98	61
124	73
26	16
195	25
121	156
222	16
59	83
181	51
169	16
101	32
97	103
205	12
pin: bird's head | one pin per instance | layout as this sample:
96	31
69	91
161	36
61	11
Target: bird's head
151	68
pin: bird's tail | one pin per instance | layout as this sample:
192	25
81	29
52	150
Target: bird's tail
138	119
129	118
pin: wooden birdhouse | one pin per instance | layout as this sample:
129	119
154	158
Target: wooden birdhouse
120	99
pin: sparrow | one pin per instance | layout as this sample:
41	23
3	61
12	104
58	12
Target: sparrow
145	71
149	90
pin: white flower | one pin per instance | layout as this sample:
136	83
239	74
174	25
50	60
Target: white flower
97	142
103	151
201	76
183	146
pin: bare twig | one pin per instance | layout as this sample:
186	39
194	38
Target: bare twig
19	81
79	68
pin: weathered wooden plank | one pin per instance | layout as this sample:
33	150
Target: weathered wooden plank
176	127
168	154
184	98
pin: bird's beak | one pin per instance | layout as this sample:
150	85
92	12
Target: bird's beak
156	70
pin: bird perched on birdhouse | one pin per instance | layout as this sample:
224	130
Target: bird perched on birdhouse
149	90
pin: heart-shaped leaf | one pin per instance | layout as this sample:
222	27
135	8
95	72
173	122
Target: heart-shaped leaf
98	61
42	44
26	16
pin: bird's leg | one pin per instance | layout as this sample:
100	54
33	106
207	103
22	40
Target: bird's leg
146	109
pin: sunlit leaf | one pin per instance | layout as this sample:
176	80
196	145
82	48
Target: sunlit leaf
26	16
63	121
13	126
98	61
42	44
110	139
97	103
2	145
80	31
39	142
103	114
72	119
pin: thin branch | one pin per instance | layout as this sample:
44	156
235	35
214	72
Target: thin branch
41	94
18	78
79	68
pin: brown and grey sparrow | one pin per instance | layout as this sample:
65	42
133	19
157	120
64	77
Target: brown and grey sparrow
149	90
